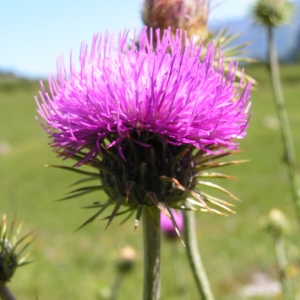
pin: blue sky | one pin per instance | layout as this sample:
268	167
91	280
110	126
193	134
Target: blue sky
34	33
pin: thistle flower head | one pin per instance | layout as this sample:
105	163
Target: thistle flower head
147	119
188	15
272	12
10	255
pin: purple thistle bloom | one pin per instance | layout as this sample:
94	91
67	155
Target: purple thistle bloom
150	120
168	93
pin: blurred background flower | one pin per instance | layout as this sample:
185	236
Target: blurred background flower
273	12
188	15
167	226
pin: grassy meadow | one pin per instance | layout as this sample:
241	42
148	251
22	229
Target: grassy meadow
81	265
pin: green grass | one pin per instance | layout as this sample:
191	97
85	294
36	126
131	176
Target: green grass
79	265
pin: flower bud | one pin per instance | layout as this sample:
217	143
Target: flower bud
10	258
276	223
272	12
188	15
127	258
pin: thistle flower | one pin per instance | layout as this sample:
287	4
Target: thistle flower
188	15
150	122
167	226
10	257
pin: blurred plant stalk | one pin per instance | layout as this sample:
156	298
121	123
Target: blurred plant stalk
277	225
287	285
194	257
124	266
287	139
272	13
172	236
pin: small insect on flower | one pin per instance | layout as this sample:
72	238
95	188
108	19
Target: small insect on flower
149	121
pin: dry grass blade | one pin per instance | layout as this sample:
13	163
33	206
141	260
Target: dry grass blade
161	206
217	187
214	175
183	188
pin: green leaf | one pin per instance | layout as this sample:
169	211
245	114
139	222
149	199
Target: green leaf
115	210
83	191
92	218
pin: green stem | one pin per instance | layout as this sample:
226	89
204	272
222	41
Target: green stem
5	293
290	157
116	286
190	238
151	230
287	285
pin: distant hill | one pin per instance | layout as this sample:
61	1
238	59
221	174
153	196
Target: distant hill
287	37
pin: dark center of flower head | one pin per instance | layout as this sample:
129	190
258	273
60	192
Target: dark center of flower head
150	170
